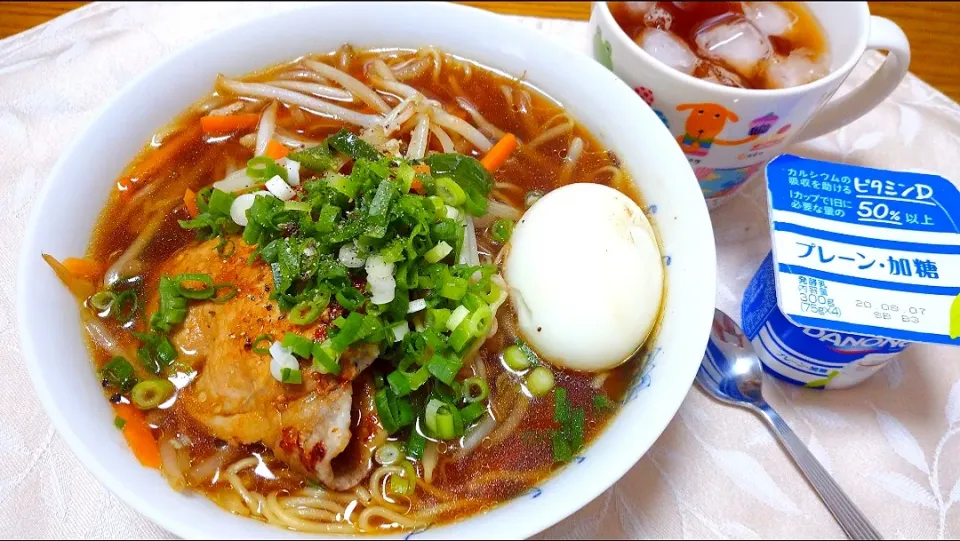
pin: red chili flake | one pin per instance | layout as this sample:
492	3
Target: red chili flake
290	442
315	455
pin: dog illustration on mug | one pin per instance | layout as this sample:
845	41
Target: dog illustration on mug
703	125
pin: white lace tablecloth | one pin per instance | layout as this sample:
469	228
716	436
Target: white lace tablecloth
892	443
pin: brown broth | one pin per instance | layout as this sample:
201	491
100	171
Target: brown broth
185	158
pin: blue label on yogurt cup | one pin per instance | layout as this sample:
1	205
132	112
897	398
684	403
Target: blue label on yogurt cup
807	356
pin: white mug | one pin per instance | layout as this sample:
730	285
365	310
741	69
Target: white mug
728	133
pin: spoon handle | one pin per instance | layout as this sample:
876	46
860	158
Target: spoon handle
851	520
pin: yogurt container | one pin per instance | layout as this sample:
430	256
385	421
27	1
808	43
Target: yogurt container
811	357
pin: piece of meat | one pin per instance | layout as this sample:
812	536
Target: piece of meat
234	395
339	457
352	465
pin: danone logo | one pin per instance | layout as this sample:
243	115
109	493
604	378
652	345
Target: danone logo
845	343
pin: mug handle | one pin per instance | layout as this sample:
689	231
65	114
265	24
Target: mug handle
884	34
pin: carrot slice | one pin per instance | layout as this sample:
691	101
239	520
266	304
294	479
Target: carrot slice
276	150
153	160
417	186
138	435
190	201
80	287
83	268
228	123
421	168
500	152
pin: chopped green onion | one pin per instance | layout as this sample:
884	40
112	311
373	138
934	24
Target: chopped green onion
430	414
516	358
261	168
297	206
300	346
317	158
231	293
262	339
454	289
451	192
443	420
125	299
325	359
490	291
350	298
291	375
352	145
456	317
438	252
472	301
404	484
443	368
416	444
602	403
475	390
405	414
184	286
462	335
561	449
406	174
119	422
119	373
575	431
349	331
413	380
102	300
400	330
445	426
472	412
306	312
399	486
387	415
540	380
416	305
394	412
387	454
399	383
439	207
156	351
501	230
481	320
561	407
221	201
173	306
151	393
437	318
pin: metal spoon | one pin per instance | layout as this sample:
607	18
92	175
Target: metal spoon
731	372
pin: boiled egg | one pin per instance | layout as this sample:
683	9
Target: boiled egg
585	276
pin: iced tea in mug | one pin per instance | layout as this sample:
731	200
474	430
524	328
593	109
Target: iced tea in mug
736	83
737	44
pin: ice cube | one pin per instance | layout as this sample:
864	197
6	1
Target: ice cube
638	9
800	67
708	71
658	18
668	49
734	42
769	18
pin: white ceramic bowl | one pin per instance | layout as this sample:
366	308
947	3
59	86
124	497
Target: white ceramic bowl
77	189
